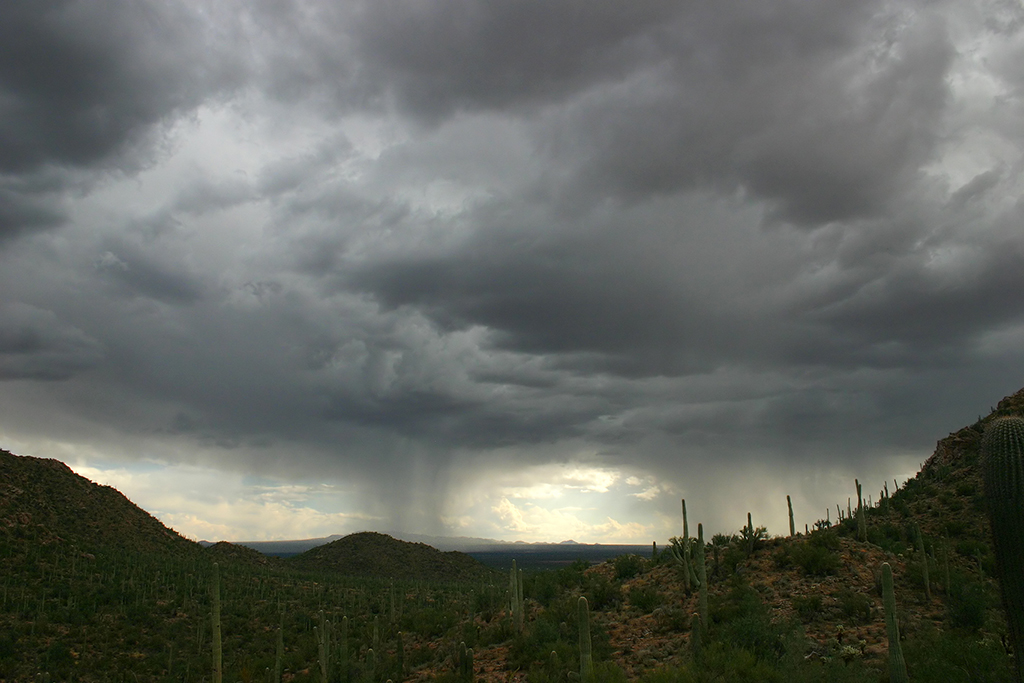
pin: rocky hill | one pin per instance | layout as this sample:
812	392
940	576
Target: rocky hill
379	555
43	502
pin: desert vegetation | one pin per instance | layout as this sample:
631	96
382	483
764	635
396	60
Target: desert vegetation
904	587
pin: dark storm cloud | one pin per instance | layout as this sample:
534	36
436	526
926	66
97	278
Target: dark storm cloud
825	109
442	56
22	212
82	79
358	237
84	84
36	345
138	274
824	129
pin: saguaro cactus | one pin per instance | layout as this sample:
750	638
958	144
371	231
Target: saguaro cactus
465	663
696	639
862	522
586	658
897	665
323	641
343	649
702	576
686	550
218	669
924	565
1002	466
792	526
279	653
515	589
750	535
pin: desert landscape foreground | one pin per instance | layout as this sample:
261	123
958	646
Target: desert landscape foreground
96	589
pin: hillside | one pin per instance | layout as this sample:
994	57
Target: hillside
372	554
94	588
43	502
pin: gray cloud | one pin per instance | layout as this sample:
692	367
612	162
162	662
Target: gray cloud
88	84
383	240
36	345
84	79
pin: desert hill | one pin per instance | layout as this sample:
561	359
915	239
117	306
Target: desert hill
379	555
43	502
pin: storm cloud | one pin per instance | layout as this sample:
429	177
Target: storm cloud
457	254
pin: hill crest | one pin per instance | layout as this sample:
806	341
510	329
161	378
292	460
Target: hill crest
370	553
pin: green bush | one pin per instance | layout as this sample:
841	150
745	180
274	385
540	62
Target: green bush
628	566
956	657
814	557
645	598
955	527
808	607
854	605
966	488
966	604
601	593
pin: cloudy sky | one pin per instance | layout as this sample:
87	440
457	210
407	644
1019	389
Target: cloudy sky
520	269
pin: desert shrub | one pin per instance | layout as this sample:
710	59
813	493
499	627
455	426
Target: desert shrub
601	593
966	488
888	537
645	598
543	586
808	607
854	605
740	618
971	547
431	622
628	566
817	556
824	539
966	604
816	561
741	599
671	619
950	657
731	558
955	527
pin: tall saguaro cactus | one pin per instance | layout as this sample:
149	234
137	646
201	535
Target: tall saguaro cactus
1002	467
702	576
792	526
686	550
515	588
586	658
924	565
279	653
862	522
343	662
897	665
750	535
218	669
323	639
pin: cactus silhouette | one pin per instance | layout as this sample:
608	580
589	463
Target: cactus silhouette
897	665
218	670
792	526
586	658
1002	466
